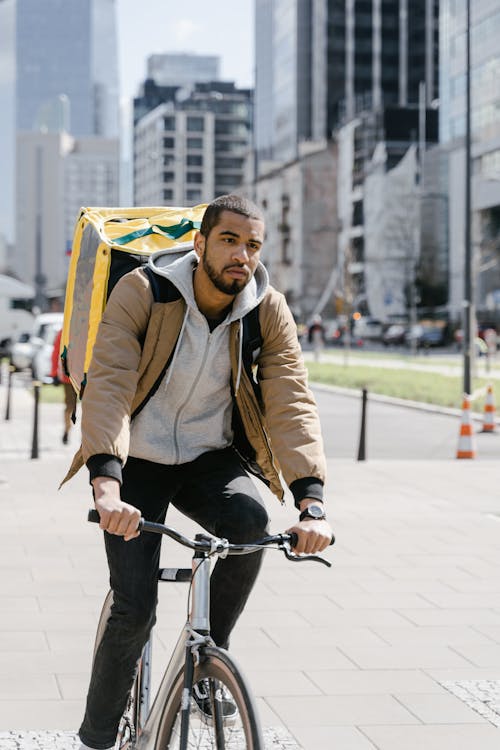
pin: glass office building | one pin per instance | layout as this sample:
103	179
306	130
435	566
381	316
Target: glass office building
485	69
66	59
319	63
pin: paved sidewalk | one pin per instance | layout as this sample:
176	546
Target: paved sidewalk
396	647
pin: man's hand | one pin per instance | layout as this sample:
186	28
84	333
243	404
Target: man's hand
117	517
313	536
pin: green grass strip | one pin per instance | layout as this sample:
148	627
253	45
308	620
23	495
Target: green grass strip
428	387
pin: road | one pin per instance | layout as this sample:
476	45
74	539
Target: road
394	432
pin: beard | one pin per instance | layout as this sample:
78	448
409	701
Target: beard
226	287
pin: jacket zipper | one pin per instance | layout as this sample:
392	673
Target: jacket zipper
188	398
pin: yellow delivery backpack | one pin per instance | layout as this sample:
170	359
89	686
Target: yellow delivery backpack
107	243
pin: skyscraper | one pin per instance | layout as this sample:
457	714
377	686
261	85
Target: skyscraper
67	47
321	62
60	66
485	127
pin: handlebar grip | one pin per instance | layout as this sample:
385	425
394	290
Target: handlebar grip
93	516
294	539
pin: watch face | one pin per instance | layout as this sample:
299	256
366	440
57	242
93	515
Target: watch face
315	511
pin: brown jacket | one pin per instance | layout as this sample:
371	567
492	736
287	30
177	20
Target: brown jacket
135	340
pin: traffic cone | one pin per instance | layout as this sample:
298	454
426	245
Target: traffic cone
489	424
466	447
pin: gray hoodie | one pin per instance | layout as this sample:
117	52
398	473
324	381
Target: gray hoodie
190	412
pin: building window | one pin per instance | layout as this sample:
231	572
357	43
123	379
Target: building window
193	195
194	177
169	123
195	142
168	195
168	176
168	159
227	162
195	124
194	160
229	180
169	142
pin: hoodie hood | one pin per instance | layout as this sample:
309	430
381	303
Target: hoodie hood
178	266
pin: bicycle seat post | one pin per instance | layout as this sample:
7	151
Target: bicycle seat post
200	606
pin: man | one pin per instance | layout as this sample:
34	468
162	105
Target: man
171	414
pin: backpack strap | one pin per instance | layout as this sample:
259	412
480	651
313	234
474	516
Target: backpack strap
163	289
252	338
252	344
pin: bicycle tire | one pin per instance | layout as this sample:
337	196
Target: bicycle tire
244	733
130	723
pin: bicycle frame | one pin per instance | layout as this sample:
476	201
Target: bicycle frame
195	639
194	636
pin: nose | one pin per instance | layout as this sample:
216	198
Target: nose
240	253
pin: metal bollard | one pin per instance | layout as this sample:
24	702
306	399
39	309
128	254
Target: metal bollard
362	434
9	392
34	443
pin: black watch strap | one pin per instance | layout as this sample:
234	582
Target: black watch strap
314	511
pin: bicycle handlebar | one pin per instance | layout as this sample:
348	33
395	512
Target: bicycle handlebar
216	545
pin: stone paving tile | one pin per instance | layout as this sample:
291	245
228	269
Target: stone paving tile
373	682
438	617
334	636
439	709
443	636
433	737
341	710
317	737
271	682
399	657
480	655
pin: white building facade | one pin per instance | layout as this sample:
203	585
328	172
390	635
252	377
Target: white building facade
58	174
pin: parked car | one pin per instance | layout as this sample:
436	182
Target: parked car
426	335
34	350
21	351
395	335
43	345
367	329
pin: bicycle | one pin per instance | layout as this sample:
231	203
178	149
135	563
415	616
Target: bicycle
175	721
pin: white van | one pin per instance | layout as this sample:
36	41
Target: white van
44	332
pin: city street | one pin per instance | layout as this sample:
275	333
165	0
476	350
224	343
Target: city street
397	646
394	432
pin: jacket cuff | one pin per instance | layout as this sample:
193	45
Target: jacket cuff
307	487
105	465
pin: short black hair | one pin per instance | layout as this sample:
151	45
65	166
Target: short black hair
235	203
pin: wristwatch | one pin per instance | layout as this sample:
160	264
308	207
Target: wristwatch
313	511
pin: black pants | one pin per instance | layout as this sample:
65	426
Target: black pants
215	491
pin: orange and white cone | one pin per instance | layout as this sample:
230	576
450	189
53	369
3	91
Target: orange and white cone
489	424
466	448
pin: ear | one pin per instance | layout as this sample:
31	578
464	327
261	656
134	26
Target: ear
199	244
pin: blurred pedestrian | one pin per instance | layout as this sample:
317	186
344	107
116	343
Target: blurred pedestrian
60	378
316	336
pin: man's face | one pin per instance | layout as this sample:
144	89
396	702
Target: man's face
230	254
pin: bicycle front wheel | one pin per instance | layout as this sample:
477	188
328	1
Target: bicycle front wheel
241	731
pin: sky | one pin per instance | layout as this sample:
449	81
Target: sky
219	27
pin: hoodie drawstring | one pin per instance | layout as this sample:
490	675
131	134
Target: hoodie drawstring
240	358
